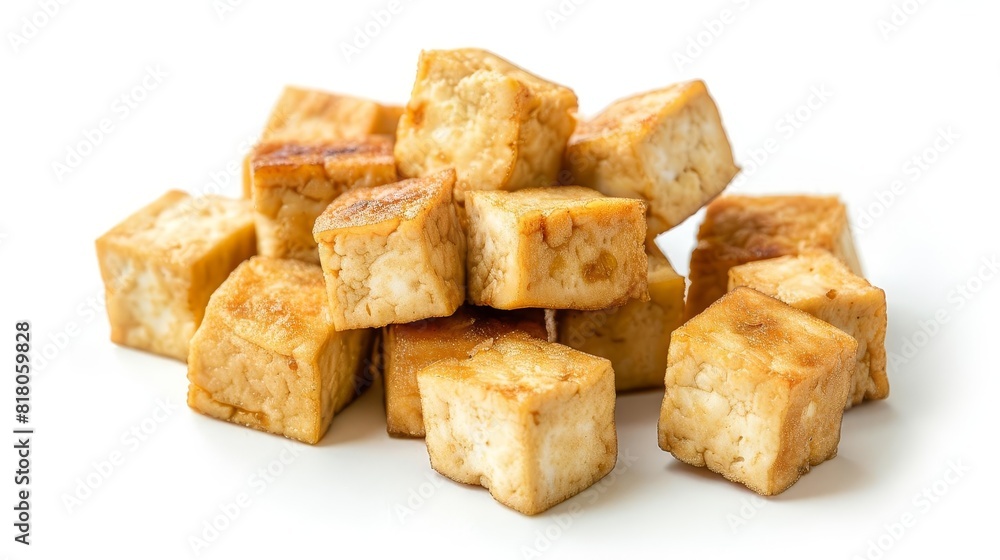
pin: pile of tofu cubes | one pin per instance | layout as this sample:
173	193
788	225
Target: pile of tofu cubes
492	259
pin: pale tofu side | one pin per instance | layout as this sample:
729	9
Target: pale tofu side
530	420
294	182
555	247
393	254
635	336
499	126
819	284
161	264
311	116
267	355
741	229
667	147
755	391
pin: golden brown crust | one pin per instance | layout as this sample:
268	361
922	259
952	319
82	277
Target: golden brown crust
742	229
403	200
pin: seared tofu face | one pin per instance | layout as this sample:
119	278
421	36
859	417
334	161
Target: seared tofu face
742	229
499	126
267	355
410	347
393	254
532	421
307	116
294	182
755	391
666	147
635	336
820	284
555	247
161	264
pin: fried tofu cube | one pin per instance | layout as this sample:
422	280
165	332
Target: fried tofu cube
162	263
410	347
755	391
530	420
312	116
635	336
267	355
393	254
819	284
499	126
742	229
667	147
555	247
293	183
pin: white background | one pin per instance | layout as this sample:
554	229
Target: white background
890	92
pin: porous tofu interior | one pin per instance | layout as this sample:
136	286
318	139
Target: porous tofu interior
530	420
393	252
500	126
162	263
756	390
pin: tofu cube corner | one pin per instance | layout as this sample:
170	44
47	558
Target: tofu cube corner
161	264
755	391
267	355
499	126
394	253
530	420
667	147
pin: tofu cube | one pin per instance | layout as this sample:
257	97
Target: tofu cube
755	391
267	355
555	247
635	336
741	229
393	254
162	263
312	116
293	183
532	421
410	347
499	126
819	284
667	147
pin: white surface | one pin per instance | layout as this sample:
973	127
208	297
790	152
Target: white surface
941	70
